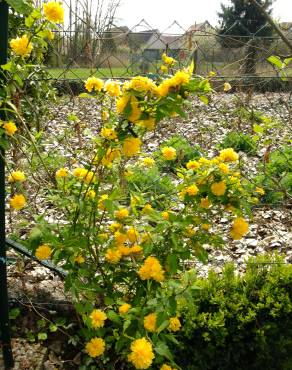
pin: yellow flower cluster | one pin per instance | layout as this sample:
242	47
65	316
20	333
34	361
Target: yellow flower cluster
151	269
43	252
168	60
61	173
148	162
122	213
140	84
54	12
18	202
112	88
21	46
168	153
131	146
108	133
9	127
150	322
110	156
192	190
239	228
228	155
93	83
98	318
193	165
141	355
16	176
174	324
218	188
179	78
113	255
124	308
95	347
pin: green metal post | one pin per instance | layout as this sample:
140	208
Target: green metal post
4	307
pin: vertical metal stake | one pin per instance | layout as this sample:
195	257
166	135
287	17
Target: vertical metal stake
4	307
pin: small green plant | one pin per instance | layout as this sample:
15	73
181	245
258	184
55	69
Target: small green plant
240	142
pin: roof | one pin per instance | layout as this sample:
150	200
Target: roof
161	41
200	26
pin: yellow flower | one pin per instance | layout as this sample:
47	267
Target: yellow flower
147	208
165	215
43	252
89	177
122	213
205	203
120	238
223	168
227	86
112	88
228	155
124	250
131	146
206	226
122	102
239	228
135	110
98	318
148	161
101	204
150	322
190	231
90	194
95	347
132	235
54	12
104	115
204	161
148	124
124	308
218	188
168	60
79	259
62	172
261	191
110	156
192	190
50	35
151	269
18	202
174	324
115	226
108	133
113	255
21	46
180	78
93	83
79	172
16	176
166	367
168	153
142	354
140	84
193	165
136	249
10	128
164	69
164	87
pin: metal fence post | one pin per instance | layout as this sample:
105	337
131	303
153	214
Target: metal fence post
4	307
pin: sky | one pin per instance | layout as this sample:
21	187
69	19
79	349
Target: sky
161	13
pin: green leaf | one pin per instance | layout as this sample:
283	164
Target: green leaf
162	349
114	317
172	263
42	336
204	99
53	328
276	61
258	129
287	61
14	313
21	6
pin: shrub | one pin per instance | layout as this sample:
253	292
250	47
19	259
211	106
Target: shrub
239	322
240	142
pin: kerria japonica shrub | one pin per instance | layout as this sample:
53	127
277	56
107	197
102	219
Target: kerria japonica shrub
124	253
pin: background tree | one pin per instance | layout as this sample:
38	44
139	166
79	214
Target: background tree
241	21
